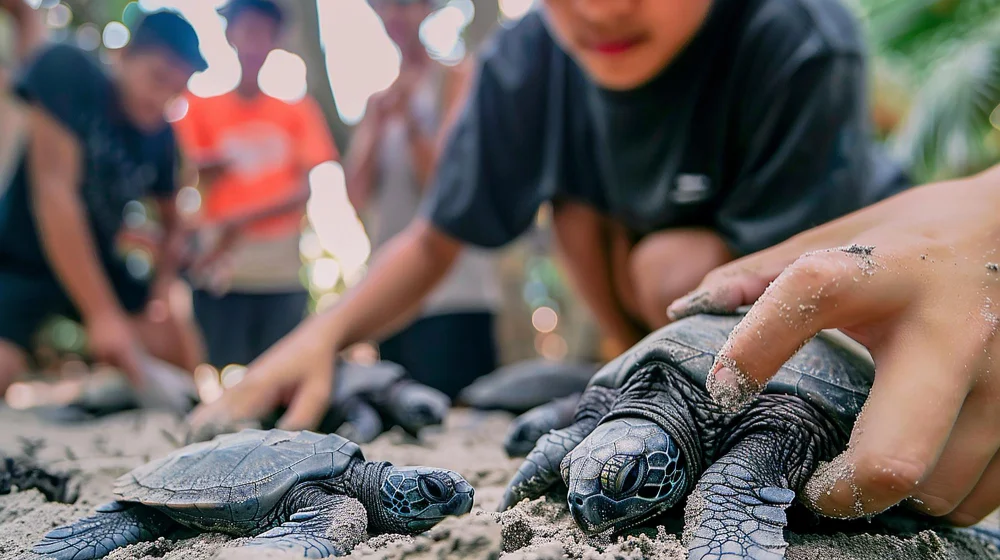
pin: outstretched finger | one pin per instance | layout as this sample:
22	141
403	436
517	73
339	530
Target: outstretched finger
310	402
898	440
830	289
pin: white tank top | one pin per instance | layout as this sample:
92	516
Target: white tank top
472	284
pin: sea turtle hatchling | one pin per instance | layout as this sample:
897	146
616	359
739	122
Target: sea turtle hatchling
647	434
295	491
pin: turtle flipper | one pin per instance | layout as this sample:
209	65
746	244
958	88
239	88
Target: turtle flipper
540	471
738	507
332	526
116	525
362	423
528	428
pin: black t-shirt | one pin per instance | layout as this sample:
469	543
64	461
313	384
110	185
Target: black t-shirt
759	129
120	162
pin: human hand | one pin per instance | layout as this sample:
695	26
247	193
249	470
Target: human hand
915	280
112	340
297	372
15	7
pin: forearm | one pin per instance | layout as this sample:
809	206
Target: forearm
423	153
402	275
360	168
72	252
584	246
30	27
295	202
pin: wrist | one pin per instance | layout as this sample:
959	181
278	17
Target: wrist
102	314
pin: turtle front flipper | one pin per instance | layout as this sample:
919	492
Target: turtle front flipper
737	509
528	428
362	423
330	526
540	471
116	525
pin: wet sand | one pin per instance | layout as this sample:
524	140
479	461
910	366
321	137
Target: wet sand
471	444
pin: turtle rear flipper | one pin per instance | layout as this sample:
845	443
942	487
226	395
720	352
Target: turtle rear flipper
540	471
331	526
528	428
116	525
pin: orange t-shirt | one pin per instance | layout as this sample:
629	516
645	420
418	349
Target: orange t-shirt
268	145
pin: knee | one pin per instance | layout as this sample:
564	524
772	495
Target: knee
655	283
668	265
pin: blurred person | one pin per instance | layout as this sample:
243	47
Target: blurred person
21	32
395	148
254	155
96	142
670	135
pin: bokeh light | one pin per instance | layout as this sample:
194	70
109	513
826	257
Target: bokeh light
283	76
59	16
309	246
513	10
116	35
88	37
188	201
544	319
178	109
325	274
333	219
551	346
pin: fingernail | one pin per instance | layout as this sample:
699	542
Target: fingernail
730	388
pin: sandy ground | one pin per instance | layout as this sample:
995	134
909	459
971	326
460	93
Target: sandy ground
102	450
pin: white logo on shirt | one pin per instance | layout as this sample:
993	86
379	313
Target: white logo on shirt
691	188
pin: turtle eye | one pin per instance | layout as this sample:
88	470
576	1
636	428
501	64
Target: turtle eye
433	489
631	477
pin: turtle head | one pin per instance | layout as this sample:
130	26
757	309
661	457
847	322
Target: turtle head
626	472
418	406
414	499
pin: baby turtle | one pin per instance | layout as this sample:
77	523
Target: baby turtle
520	387
296	491
647	434
371	399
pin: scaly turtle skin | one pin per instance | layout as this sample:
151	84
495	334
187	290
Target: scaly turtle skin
297	491
527	428
520	387
647	434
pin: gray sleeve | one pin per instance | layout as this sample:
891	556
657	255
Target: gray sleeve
807	153
489	182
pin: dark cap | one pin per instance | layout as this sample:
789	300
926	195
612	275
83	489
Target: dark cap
167	30
268	8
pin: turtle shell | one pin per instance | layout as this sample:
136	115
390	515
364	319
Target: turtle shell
355	379
522	386
828	372
234	481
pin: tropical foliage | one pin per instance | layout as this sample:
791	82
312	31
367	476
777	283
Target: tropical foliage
937	76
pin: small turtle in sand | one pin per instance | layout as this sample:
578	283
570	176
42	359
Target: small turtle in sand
19	473
371	399
647	434
300	492
520	387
